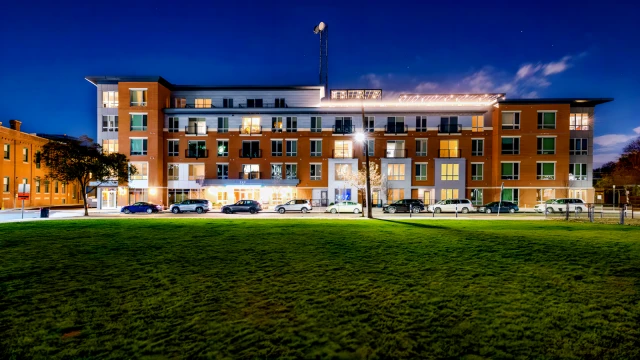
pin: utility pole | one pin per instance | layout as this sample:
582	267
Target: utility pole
367	168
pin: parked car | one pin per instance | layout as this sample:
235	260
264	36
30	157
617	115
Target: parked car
198	205
141	207
250	206
461	205
294	205
404	205
560	205
345	206
494	207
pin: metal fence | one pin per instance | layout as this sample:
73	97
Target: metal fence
592	212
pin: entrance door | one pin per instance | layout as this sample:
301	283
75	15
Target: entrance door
108	199
323	198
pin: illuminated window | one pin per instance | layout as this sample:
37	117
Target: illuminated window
276	124
395	195
510	120
110	123
197	126
578	172
276	171
173	172
510	146
395	149
110	99
180	103
546	146
291	171
316	171
5	184
203	103
250	126
342	171
25	154
543	195
546	120
138	122
196	171
546	171
446	194
421	172
343	149
477	123
110	146
142	171
578	147
7	151
250	171
395	171
510	171
477	171
449	172
138	97
449	149
579	121
138	146
477	147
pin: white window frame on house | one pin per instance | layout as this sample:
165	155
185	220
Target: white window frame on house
477	123
371	146
515	150
37	185
474	168
316	124
422	147
277	146
579	121
222	166
397	150
510	122
395	171
291	147
144	144
109	123
277	171
109	146
174	124
540	170
291	124
6	149
110	100
143	101
173	172
421	171
221	146
202	103
25	155
515	170
421	123
449	172
315	171
317	143
474	150
144	119
290	171
477	196
194	174
446	194
541	119
6	182
515	195
223	124
370	123
584	146
142	168
580	175
173	147
540	145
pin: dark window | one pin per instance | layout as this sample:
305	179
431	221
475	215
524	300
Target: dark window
510	146
280	103
227	103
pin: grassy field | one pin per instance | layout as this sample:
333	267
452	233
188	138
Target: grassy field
165	289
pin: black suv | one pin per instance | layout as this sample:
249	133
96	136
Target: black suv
250	206
404	205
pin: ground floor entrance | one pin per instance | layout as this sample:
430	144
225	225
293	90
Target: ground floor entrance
109	198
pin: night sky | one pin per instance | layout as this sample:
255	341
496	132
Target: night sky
550	49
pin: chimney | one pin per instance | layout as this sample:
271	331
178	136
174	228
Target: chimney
15	124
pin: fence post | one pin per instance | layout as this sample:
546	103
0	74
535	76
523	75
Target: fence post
591	210
567	214
621	215
456	210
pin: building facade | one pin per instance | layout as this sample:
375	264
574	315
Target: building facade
21	164
275	143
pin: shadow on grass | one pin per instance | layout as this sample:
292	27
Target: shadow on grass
422	225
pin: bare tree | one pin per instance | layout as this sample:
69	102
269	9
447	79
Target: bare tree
359	179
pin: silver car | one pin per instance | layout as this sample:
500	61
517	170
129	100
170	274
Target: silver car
294	205
198	205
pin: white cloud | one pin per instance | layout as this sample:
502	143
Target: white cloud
637	130
426	87
557	67
526	70
609	146
372	80
601	159
480	81
613	140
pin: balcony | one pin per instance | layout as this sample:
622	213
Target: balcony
343	129
396	129
196	130
450	129
252	175
341	154
421	129
263	105
396	153
196	154
449	153
250	129
251	154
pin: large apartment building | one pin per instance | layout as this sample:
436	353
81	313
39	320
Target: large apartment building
274	143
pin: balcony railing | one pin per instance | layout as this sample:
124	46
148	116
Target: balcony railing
450	129
264	105
196	130
341	154
251	175
223	129
421	129
449	153
276	130
199	154
138	128
251	154
396	153
396	129
250	129
109	128
343	129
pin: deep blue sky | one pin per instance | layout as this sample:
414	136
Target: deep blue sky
581	49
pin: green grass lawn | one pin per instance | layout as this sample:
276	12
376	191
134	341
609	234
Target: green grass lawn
165	289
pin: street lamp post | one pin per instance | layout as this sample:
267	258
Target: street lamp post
362	137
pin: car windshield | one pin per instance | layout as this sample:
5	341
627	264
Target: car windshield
550	201
442	202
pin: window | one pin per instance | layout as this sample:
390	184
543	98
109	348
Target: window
223	124
138	97
291	171
477	147
251	149
546	146
196	171
543	195
477	123
5	184
292	147
138	122
110	99
223	171
395	195
316	124
316	171
449	149
276	147
142	171
371	146
421	123
579	121
476	171
254	103
7	151
341	171
108	147
369	124
197	149
546	120
37	186
280	103
343	149
446	194
25	154
46	186
578	172
250	171
276	124
174	148
180	103
227	103
174	124
421	147
476	197
196	126
292	124
510	146
276	171
421	172
223	148
38	157
510	171
395	171
74	192
138	146
56	187
395	125
511	195
510	120
203	103
449	172
395	149
316	147
251	126
546	171
110	123
578	147
343	125
173	172
449	124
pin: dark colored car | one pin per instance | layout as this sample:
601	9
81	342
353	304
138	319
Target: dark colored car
141	207
250	206
404	205
492	207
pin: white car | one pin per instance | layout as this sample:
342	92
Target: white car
198	205
452	205
294	205
560	205
345	206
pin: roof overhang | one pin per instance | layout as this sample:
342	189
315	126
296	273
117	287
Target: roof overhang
574	102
